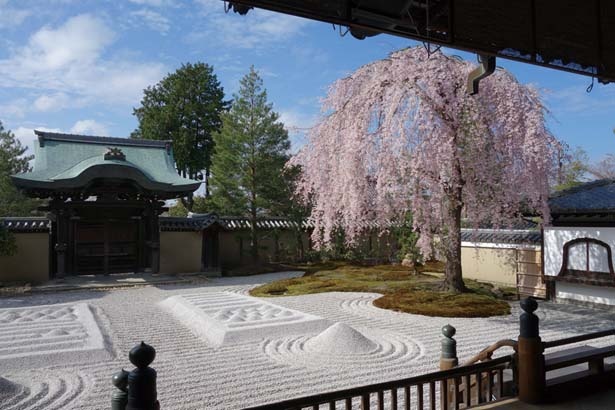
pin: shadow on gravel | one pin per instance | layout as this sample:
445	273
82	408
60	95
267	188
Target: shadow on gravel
225	281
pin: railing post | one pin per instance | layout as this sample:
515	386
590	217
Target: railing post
531	361
448	356
448	360
120	396
141	381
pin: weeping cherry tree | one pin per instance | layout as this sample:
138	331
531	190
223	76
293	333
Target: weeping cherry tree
403	134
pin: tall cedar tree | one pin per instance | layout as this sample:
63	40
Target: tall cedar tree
250	152
12	202
184	107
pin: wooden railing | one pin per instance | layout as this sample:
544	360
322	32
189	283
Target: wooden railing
593	356
579	338
427	391
453	387
487	353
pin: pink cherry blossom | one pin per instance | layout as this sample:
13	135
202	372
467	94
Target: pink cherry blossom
403	134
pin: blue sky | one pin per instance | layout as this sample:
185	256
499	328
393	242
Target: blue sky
80	66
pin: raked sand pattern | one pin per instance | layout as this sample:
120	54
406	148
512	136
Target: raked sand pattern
225	317
343	346
47	334
195	374
53	392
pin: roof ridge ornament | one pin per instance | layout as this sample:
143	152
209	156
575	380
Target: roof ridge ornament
114	153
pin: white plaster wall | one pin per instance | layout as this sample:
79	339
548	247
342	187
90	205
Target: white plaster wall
585	293
555	238
598	258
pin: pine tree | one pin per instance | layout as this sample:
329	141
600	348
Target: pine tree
12	202
251	150
13	161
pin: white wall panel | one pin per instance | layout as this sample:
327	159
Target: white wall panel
556	236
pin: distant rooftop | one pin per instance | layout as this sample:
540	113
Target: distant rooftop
591	197
92	139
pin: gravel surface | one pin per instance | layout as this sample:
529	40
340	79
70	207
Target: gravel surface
195	374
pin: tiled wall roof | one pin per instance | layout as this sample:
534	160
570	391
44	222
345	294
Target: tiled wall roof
502	236
25	224
199	222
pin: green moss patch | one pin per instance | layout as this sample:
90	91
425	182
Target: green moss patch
402	291
443	304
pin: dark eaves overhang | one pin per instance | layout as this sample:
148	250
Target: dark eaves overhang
568	35
107	172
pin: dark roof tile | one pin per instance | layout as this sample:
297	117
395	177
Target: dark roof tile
595	196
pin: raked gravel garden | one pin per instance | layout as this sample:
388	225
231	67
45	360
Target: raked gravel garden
59	351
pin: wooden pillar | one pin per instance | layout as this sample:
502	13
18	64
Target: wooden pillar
140	242
215	248
530	358
152	234
61	245
155	237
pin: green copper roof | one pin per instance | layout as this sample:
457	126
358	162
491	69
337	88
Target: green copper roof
68	162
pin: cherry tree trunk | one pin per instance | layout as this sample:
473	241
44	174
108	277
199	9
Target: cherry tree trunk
453	281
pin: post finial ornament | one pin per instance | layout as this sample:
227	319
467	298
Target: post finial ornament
449	345
529	322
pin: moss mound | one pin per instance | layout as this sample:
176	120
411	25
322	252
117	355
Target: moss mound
444	304
402	291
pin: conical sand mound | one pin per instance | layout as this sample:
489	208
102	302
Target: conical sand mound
341	339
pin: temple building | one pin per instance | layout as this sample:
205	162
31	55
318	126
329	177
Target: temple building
105	196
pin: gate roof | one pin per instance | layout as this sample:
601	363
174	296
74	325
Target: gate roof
66	162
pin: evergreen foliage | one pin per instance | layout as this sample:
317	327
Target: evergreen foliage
12	202
251	149
184	107
13	161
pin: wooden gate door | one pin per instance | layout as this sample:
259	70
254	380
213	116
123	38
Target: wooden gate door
106	247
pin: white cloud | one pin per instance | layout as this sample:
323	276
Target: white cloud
12	17
258	29
25	134
208	7
153	20
80	40
295	120
27	137
16	108
71	60
154	3
575	99
89	127
51	102
297	123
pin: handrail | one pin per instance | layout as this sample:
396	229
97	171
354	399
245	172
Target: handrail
487	352
364	390
579	338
